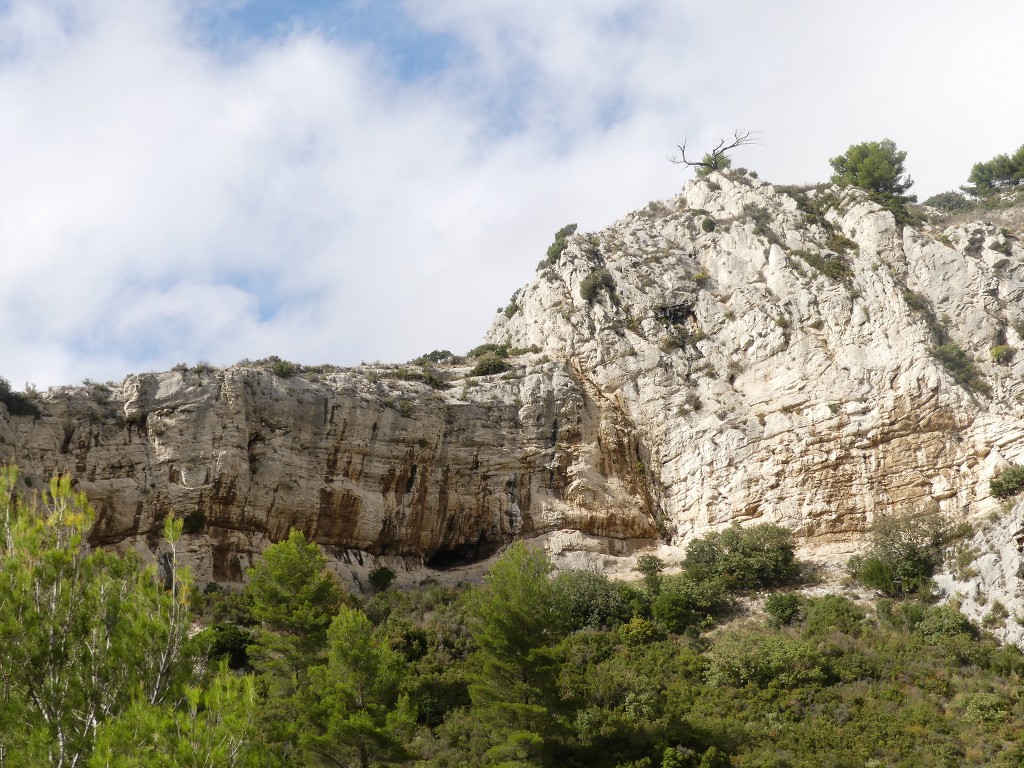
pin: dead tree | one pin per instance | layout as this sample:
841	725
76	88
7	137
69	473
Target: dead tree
716	159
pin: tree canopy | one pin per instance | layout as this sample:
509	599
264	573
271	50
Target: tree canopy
1001	172
876	166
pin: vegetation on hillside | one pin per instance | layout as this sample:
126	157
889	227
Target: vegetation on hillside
526	669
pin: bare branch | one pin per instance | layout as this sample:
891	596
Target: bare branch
713	160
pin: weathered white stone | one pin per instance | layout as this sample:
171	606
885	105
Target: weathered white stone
726	380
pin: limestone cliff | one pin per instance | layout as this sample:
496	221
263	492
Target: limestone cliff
740	352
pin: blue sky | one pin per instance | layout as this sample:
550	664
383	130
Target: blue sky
335	182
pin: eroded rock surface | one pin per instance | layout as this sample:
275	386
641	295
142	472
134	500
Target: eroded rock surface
751	354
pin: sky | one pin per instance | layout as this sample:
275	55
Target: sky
336	181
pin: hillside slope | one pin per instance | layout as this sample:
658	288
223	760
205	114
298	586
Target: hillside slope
744	352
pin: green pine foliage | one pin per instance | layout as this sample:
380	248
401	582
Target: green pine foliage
1000	173
527	669
1008	483
878	168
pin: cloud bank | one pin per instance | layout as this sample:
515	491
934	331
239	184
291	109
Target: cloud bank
178	189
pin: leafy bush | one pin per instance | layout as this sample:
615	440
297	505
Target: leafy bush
17	403
381	577
904	553
232	642
949	202
1001	172
1009	482
762	219
1002	354
194	522
427	376
437	356
489	350
708	224
712	162
745	558
877	167
688	602
488	365
960	367
584	599
781	609
833	613
284	368
650	567
594	282
740	659
558	246
833	265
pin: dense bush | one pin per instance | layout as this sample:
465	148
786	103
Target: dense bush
17	403
742	658
756	557
1002	354
597	280
833	265
960	367
685	601
1009	482
585	599
782	609
904	553
381	577
1001	172
877	167
488	365
949	202
558	246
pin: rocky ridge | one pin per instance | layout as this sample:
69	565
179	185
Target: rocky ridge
741	352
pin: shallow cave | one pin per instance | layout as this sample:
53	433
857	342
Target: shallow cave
462	554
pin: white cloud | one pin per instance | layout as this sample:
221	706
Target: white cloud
163	202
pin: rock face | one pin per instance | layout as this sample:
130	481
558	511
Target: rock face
738	353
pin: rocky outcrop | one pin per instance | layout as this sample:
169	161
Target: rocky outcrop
360	462
738	353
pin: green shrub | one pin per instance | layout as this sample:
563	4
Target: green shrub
903	554
594	282
744	658
194	522
650	567
708	224
712	162
782	609
437	356
17	403
757	557
1002	354
960	367
762	219
833	613
489	350
833	265
1008	483
558	246
284	368
232	642
687	602
949	202
584	599
381	577
488	365
427	376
